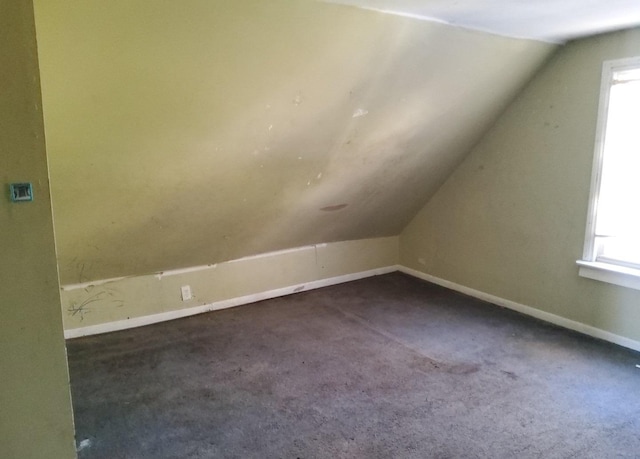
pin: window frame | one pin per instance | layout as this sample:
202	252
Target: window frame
611	271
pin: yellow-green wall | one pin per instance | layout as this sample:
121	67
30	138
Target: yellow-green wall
510	221
35	405
193	132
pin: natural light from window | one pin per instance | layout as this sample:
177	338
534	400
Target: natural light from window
617	229
612	240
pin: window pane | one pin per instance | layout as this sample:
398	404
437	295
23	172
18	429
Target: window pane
626	75
618	249
618	212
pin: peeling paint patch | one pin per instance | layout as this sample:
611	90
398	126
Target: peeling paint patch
175	272
334	208
360	112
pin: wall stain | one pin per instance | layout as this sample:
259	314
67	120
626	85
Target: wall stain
360	112
334	208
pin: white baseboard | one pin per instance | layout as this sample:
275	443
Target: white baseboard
265	295
223	304
527	310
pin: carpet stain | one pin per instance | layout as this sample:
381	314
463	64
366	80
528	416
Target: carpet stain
462	368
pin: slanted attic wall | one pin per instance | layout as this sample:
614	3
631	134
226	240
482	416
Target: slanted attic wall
510	221
189	133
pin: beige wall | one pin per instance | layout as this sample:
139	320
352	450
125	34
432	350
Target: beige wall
510	221
35	407
194	132
138	300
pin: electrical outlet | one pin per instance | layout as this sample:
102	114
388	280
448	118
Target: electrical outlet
186	292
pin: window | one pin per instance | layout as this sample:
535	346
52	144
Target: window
612	242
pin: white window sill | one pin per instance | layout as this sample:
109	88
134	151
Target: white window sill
612	274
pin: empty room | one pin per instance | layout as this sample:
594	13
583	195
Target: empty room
319	229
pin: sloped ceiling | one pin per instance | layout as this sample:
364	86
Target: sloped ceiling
187	133
547	20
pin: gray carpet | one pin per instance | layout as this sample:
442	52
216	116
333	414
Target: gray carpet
386	367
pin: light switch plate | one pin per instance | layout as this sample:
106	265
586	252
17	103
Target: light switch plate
21	192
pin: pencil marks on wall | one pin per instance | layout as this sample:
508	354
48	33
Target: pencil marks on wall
95	297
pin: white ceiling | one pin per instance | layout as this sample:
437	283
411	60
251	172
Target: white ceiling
546	20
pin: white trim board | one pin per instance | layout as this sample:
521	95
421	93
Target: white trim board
527	310
223	304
